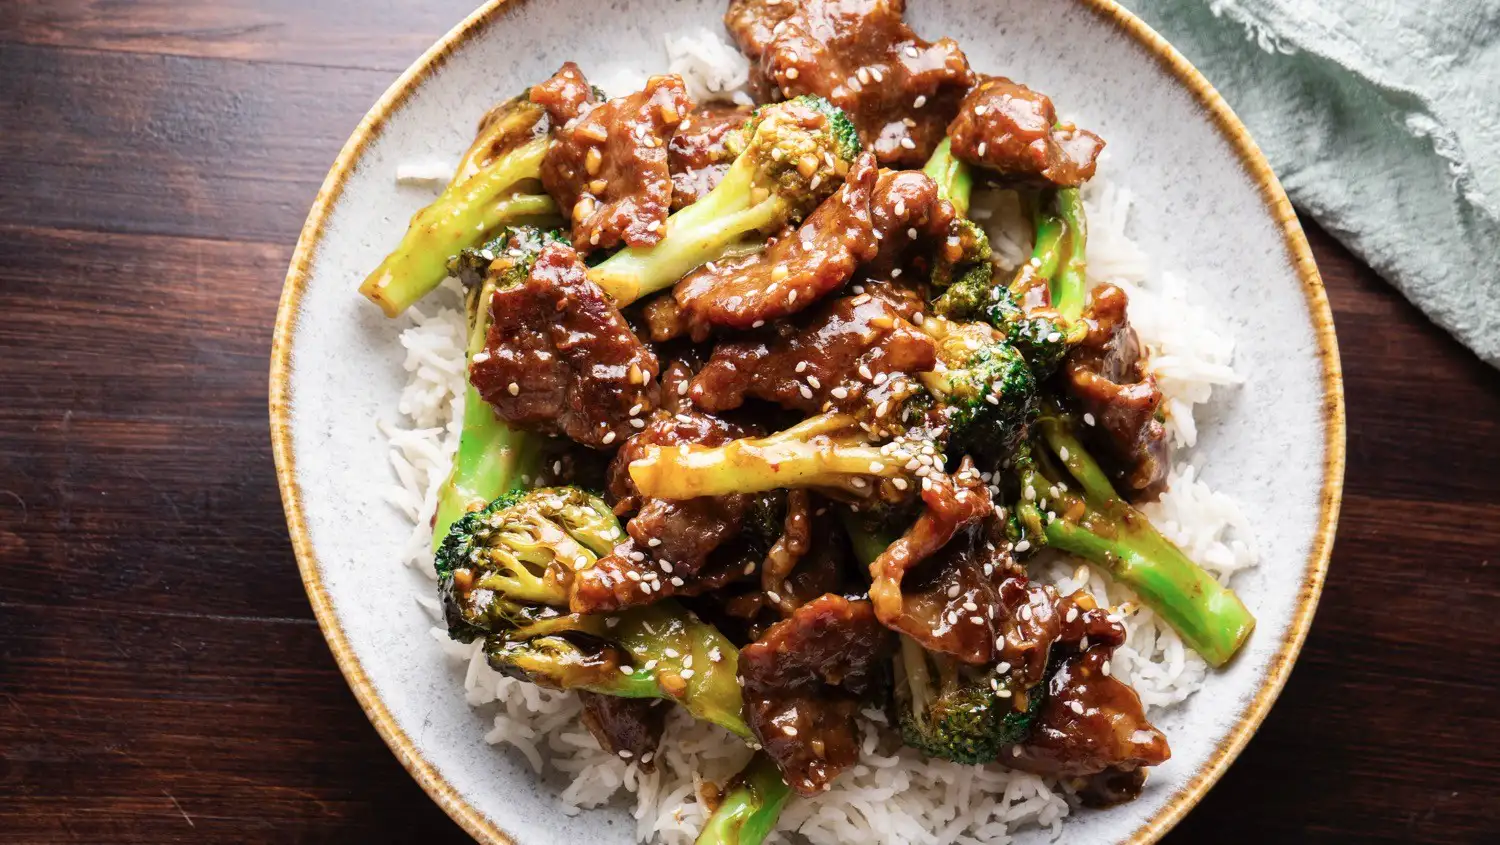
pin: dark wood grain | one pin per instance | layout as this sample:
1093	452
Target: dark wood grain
161	675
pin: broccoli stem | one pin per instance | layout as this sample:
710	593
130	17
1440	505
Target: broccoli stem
1104	530
703	232
955	181
491	458
748	812
467	211
1069	287
666	636
807	455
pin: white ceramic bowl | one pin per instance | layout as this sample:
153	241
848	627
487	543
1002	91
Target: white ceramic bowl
1208	207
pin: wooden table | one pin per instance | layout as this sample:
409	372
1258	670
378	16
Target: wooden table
161	674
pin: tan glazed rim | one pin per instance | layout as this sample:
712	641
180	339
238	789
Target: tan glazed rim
1254	163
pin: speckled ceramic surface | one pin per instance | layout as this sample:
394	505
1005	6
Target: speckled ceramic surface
1207	207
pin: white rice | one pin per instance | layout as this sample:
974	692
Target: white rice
893	796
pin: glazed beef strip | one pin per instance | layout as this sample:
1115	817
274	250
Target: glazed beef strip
698	154
899	90
560	359
1106	375
838	359
1011	129
669	542
629	727
806	679
790	274
607	168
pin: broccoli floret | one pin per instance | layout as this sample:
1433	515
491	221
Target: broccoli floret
1094	523
508	566
518	242
489	191
659	651
960	713
748	811
1041	337
492	458
983	386
791	156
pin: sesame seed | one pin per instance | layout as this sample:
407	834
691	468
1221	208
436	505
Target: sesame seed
953	591
514	389
840	393
911	233
1106	669
1088	419
900	207
1023	545
875	72
789	730
671	652
900	483
1005	693
920	101
609	437
970	606
626	670
481	356
1076	707
813	380
654	542
635	409
857	483
1062	452
774	596
791	298
910	50
637	423
983	145
805	391
791	73
908	143
682	388
677	582
980	110
624	753
686	673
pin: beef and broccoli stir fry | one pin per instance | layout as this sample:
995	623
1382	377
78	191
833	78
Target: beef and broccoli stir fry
755	425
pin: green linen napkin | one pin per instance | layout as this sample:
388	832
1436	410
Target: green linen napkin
1382	120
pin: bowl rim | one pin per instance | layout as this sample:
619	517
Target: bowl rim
492	12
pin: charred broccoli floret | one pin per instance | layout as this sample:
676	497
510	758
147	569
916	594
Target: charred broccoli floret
1094	523
491	457
496	184
961	713
791	156
505	569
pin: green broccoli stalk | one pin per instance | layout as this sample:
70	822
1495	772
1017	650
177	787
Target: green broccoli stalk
955	181
488	192
1069	287
1038	310
748	811
492	458
829	451
794	155
657	651
1097	525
